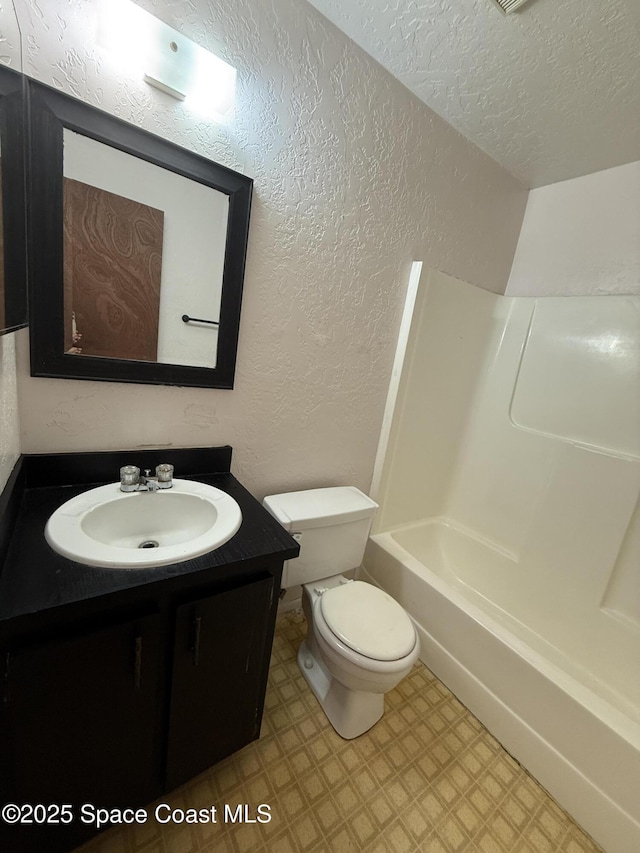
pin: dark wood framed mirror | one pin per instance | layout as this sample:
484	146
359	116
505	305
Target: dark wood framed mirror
13	270
137	251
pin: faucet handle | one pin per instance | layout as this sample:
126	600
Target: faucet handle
129	478
164	473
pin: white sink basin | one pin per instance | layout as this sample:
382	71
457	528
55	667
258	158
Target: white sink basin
133	530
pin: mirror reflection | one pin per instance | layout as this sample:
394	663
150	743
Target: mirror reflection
142	248
130	234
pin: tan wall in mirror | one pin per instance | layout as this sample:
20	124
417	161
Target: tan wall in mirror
354	179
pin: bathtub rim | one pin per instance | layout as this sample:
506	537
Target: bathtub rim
594	798
624	715
501	624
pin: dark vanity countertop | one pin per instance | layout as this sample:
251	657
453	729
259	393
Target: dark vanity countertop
36	579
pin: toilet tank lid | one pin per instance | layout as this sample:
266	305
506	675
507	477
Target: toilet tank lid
320	507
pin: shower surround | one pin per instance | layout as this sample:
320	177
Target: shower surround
509	528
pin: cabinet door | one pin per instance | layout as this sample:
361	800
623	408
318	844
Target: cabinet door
82	720
221	659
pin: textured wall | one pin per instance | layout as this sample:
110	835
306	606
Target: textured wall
581	237
9	36
354	178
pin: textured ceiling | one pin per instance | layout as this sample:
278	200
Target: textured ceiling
551	91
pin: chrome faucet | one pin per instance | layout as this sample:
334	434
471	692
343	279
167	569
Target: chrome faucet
131	480
150	483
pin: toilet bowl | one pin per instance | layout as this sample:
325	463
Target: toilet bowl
342	658
360	642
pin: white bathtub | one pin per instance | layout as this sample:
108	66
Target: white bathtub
577	733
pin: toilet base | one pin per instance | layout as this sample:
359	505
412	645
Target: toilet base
350	712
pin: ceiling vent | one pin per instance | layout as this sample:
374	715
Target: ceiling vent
509	5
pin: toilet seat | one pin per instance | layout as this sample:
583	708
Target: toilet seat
368	621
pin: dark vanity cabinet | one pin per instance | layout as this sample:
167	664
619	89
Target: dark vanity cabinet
217	675
85	709
114	716
69	703
82	724
118	686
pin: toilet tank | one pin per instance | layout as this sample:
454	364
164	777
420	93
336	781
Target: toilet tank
331	525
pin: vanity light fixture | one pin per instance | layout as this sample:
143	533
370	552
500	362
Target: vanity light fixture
167	60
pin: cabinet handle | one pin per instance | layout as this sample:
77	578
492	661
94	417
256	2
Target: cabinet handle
137	666
197	623
5	679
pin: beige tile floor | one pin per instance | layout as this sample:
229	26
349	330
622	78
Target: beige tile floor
428	777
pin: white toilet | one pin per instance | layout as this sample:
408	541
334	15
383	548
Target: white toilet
360	642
